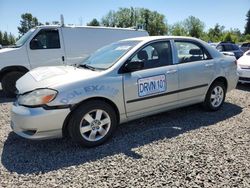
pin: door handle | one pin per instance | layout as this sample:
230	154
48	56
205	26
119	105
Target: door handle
209	64
172	71
63	59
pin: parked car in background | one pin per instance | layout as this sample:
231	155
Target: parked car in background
213	44
120	82
55	45
245	46
230	49
243	67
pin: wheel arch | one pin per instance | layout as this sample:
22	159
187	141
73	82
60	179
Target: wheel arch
221	79
8	69
74	107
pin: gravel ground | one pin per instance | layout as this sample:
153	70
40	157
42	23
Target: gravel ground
182	148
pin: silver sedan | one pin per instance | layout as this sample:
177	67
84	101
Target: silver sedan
120	82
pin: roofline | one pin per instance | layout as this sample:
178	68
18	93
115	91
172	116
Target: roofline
90	27
148	38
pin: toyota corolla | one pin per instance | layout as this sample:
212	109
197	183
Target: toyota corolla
123	81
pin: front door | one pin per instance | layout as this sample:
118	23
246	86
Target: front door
151	89
46	48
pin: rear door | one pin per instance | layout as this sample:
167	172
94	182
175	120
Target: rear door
153	88
46	48
196	69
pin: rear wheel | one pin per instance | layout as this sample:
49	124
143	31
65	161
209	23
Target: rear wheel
92	123
215	96
9	82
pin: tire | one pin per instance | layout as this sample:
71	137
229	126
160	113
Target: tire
9	82
215	97
92	123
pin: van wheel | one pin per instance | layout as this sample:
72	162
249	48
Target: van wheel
215	97
92	123
9	82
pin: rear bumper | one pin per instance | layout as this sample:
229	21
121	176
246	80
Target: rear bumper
244	75
37	123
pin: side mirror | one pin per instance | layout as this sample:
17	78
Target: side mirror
131	66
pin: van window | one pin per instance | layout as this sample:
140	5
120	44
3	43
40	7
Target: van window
46	39
24	38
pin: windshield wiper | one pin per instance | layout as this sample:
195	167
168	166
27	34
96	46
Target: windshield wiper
87	67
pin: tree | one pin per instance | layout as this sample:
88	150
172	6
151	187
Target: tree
5	39
27	22
228	37
247	37
12	39
194	26
110	19
215	34
178	29
93	22
247	27
1	37
153	22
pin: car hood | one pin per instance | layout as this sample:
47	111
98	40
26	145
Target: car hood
5	50
50	77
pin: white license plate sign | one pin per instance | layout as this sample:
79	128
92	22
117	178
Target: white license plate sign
151	85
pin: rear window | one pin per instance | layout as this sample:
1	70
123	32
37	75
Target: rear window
245	45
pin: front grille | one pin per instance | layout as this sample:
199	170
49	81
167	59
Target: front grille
244	79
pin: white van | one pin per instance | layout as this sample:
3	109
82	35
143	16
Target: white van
55	45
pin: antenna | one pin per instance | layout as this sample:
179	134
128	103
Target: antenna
62	20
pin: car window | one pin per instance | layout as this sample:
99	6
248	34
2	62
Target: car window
46	39
155	55
189	52
235	47
219	48
228	47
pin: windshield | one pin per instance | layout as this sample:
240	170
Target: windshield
24	38
108	55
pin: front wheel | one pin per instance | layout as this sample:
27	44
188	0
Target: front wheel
92	123
9	82
215	96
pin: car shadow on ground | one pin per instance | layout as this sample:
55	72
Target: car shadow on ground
243	87
26	156
4	99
